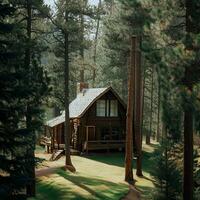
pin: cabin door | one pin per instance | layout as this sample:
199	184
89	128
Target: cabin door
90	133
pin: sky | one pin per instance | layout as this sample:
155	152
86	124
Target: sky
51	2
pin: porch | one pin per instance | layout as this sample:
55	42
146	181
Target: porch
103	144
107	143
88	145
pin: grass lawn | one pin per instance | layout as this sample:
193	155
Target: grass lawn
98	176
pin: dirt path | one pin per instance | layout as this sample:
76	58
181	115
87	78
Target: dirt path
46	171
48	167
133	194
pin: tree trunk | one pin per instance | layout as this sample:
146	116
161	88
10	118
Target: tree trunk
158	116
188	183
82	71
68	162
30	189
143	92
152	98
166	167
95	44
129	119
112	4
149	134
188	155
164	131
138	111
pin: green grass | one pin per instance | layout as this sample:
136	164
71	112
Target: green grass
98	177
64	185
117	159
39	149
51	190
145	184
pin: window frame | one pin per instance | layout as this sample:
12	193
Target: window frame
98	108
115	104
107	108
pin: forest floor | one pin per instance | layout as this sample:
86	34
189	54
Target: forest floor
97	177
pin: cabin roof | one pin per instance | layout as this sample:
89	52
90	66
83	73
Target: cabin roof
82	103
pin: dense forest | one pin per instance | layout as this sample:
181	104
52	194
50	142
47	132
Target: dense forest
148	51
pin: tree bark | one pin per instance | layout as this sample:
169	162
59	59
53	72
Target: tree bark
82	71
95	44
188	155
188	117
129	119
166	167
68	162
138	110
30	188
158	116
149	134
164	131
112	6
143	92
152	98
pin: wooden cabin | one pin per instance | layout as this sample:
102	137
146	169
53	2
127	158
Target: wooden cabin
97	121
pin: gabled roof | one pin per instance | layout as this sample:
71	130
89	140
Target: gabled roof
82	103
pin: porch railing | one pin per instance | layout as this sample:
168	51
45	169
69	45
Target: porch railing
103	144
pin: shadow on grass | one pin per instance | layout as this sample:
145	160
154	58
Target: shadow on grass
147	162
98	188
48	190
147	178
146	192
117	159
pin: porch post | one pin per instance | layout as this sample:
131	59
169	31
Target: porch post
53	139
87	139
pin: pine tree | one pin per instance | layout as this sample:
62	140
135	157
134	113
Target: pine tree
183	71
196	175
130	115
13	176
35	79
16	93
80	61
66	26
96	42
114	50
168	176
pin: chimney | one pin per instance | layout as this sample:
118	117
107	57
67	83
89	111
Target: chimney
81	86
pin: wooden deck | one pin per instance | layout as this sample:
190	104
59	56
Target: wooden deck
103	144
50	145
87	146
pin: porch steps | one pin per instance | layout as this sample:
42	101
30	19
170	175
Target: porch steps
74	152
56	155
59	153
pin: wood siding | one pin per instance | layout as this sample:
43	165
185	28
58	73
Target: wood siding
109	124
106	128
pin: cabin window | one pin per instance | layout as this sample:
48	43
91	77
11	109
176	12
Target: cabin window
101	108
107	108
113	108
